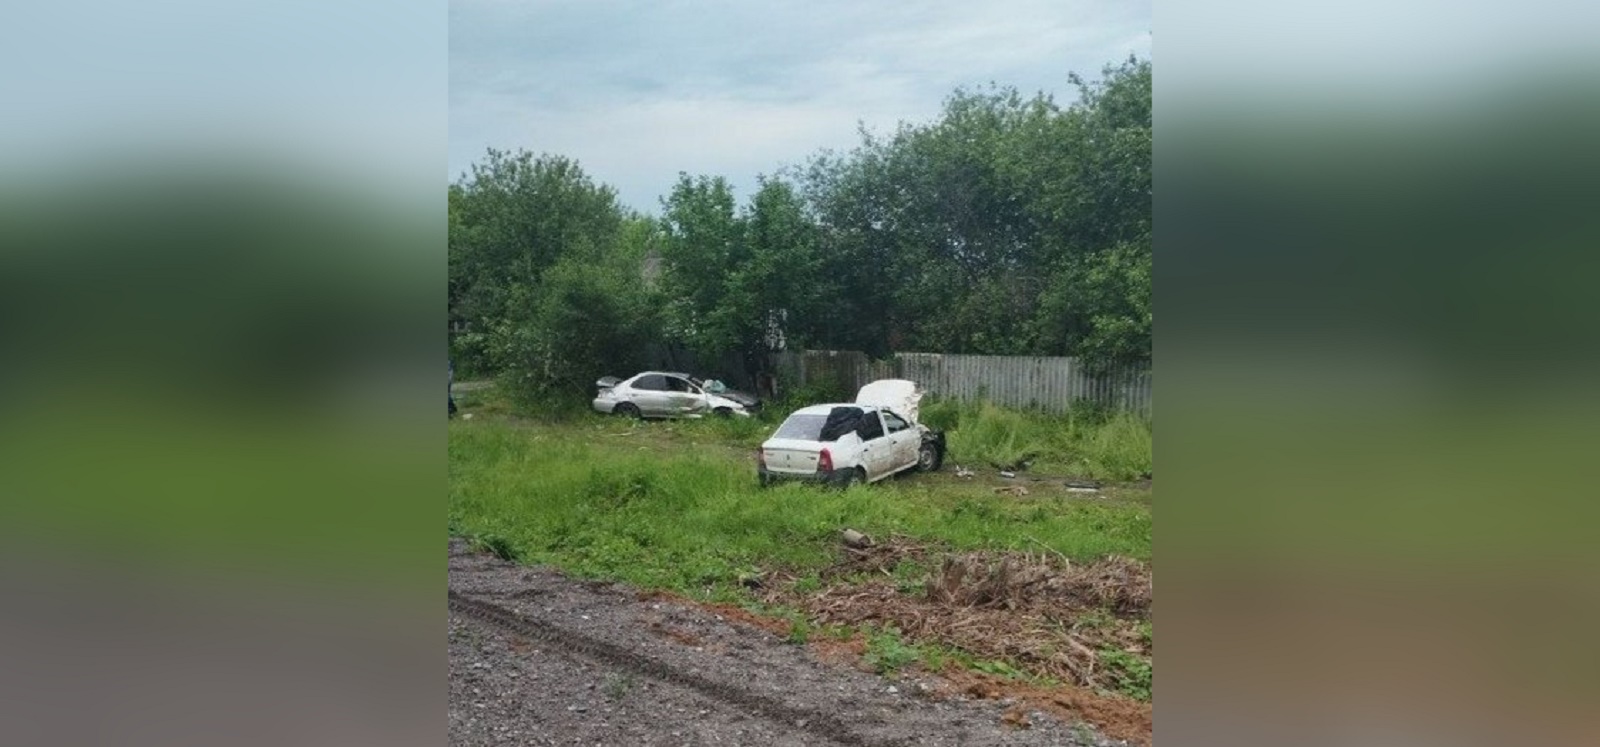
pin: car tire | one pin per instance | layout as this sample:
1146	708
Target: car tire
929	457
627	410
723	412
851	478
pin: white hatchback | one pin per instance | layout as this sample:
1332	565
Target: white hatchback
844	443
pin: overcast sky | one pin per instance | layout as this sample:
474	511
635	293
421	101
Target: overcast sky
639	91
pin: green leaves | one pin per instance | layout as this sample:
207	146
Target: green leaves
546	271
1009	225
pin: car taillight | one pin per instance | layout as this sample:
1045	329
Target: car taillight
824	461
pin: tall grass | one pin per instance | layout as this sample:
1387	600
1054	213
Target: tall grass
691	518
1084	442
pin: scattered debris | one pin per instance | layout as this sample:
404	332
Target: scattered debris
1064	559
466	416
1082	490
853	538
1005	473
1012	490
1016	717
1086	484
1041	612
963	471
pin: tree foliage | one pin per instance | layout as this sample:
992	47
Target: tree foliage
1007	225
538	271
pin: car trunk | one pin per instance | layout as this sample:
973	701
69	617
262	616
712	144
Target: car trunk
791	456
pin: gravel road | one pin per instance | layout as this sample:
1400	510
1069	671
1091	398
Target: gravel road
536	658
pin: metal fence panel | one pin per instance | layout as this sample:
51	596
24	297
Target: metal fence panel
1033	382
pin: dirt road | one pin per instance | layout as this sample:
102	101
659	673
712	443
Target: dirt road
540	659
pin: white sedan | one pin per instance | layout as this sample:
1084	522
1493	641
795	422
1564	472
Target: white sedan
844	443
661	394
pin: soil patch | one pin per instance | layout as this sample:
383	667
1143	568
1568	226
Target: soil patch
577	663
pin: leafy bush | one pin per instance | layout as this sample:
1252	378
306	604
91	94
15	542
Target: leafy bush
585	318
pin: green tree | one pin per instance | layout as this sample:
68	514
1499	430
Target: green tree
584	319
702	244
511	218
1008	225
1092	201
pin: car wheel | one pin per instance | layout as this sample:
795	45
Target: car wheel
723	412
627	410
928	457
852	477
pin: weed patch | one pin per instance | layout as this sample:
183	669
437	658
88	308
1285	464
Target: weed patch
1084	442
887	652
1130	674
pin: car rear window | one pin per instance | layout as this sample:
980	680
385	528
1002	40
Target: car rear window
802	427
828	427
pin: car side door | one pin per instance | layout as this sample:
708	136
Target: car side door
649	394
877	454
904	441
683	398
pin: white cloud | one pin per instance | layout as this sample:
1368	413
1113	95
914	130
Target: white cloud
639	92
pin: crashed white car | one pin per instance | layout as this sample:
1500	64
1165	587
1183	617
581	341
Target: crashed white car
865	441
662	394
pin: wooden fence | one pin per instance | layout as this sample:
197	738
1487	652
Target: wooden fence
1046	383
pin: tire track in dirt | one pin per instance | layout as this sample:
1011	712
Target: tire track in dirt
571	642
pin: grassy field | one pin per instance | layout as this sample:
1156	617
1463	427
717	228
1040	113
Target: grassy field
1083	443
675	505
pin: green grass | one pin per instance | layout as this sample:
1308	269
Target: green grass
1083	442
888	653
656	505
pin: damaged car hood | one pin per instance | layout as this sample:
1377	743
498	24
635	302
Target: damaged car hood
897	395
742	398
